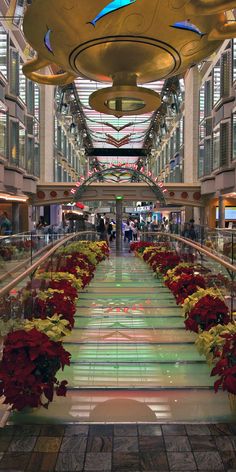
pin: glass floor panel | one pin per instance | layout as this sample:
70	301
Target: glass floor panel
132	360
132	353
126	322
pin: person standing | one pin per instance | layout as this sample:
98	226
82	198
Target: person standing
6	226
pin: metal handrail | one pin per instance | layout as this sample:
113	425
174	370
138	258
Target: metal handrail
5	290
198	247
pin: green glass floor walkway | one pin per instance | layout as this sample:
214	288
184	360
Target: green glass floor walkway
129	347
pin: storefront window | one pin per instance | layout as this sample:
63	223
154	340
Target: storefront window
14	72
22	147
14	142
216	83
216	149
3	130
3	52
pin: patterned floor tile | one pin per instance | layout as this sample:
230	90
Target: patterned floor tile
202	443
154	461
52	430
177	443
4	443
67	462
181	461
24	444
125	430
125	444
219	429
151	443
47	444
197	429
73	429
224	443
125	462
209	461
73	444
100	430
43	462
149	430
174	429
26	430
14	460
100	461
99	444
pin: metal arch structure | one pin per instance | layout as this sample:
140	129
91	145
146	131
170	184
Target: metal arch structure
120	174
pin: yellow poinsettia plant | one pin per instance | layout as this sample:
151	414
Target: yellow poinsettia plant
171	272
55	327
84	247
57	276
208	342
191	300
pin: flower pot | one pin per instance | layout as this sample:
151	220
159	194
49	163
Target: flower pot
232	402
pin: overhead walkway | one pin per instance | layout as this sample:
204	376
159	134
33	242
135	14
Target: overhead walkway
132	359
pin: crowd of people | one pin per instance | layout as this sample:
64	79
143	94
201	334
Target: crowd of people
132	227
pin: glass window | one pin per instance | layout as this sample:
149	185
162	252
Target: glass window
36	101
216	149
224	143
202	102
201	160
181	131
22	85
3	52
30	96
14	142
208	98
234	59
22	147
3	130
36	159
225	74
216	83
208	157
30	156
14	72
234	136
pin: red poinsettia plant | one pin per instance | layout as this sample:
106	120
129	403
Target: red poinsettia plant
165	260
185	285
68	289
28	369
56	304
225	368
140	246
209	311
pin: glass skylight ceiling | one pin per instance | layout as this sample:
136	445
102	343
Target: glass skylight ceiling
101	125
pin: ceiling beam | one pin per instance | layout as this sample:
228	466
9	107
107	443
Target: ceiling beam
99	152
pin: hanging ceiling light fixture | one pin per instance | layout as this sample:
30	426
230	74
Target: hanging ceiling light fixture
127	42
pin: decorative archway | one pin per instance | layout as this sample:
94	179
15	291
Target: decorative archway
120	174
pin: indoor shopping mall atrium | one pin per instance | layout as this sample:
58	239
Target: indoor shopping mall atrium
118	235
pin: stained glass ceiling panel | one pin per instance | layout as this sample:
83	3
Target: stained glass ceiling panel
126	132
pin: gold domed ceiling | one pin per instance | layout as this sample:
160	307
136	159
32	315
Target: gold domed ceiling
123	42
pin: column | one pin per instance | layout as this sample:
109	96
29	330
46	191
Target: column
221	212
191	128
46	133
15	218
119	213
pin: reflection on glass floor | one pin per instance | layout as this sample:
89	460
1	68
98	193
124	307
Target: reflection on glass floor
132	359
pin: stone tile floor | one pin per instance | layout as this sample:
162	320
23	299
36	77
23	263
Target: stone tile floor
118	448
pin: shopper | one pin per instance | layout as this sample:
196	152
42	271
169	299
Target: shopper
6	226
